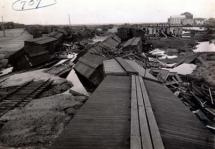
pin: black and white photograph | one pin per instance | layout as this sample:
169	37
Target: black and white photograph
107	74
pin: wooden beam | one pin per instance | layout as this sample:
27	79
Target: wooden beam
154	130
144	129
135	139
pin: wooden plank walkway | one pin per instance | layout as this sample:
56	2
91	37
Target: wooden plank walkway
144	130
179	127
103	122
158	119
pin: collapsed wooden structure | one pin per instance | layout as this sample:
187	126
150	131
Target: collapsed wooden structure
134	44
36	51
90	67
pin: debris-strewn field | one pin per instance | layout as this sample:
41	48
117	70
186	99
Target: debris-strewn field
45	80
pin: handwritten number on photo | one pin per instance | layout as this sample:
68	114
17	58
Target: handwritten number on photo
21	5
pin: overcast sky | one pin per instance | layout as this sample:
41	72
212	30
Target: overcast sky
105	11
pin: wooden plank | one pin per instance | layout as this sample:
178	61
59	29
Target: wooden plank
154	130
126	66
144	93
142	72
144	129
135	139
103	121
112	67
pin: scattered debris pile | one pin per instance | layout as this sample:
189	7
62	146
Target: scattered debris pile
205	69
198	95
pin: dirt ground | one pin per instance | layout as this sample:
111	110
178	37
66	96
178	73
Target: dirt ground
13	41
39	122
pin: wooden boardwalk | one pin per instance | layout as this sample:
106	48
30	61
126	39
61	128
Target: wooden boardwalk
130	109
103	122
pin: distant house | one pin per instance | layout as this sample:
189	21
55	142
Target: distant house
133	44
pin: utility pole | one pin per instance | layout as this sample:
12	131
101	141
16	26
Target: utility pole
69	19
3	28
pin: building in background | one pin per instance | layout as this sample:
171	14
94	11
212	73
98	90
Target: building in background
187	15
186	19
187	22
176	20
199	21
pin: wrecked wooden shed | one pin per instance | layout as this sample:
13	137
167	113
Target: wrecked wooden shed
112	41
108	45
133	44
24	59
35	52
90	67
42	43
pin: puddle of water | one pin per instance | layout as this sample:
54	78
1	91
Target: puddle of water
205	47
183	69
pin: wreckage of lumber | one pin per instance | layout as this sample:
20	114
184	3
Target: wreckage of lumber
187	59
127	111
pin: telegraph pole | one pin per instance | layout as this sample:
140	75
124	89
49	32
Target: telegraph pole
3	28
69	19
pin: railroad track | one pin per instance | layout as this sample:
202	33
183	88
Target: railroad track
20	96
